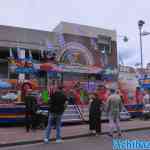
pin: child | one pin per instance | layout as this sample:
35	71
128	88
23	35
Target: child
95	114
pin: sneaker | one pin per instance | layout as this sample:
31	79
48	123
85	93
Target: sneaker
110	135
59	141
46	141
92	132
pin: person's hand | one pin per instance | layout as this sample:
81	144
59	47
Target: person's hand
91	100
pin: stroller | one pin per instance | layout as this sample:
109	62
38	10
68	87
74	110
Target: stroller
42	118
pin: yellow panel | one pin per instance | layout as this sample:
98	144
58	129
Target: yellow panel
147	81
8	116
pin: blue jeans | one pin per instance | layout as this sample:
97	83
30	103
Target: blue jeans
51	119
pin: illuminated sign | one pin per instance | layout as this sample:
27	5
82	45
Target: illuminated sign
80	69
25	70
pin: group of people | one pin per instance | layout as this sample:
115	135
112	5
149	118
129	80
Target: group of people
58	103
113	108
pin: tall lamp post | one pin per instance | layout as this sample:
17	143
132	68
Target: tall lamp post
125	39
140	25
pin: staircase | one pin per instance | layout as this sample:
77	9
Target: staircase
76	113
71	114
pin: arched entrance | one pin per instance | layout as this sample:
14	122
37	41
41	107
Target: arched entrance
76	54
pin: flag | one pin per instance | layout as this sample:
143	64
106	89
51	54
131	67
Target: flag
30	55
45	96
11	53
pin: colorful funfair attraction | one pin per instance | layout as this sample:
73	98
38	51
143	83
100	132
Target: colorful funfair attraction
81	58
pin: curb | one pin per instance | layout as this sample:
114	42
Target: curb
41	141
65	138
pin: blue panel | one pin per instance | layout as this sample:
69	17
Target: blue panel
13	120
137	106
11	110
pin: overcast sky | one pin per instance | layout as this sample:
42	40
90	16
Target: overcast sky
121	15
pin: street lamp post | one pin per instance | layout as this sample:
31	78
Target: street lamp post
125	39
140	25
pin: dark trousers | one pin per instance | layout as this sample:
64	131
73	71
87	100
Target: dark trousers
95	124
31	121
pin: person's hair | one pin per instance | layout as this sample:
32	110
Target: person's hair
112	91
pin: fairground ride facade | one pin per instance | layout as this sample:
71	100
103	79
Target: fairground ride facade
78	50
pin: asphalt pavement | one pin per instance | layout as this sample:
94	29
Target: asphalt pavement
134	129
17	135
102	142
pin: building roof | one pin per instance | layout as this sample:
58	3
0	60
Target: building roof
26	38
38	39
84	30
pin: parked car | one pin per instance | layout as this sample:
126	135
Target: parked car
9	96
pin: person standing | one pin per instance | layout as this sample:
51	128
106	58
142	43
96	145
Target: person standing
95	115
138	95
56	108
146	98
31	107
114	107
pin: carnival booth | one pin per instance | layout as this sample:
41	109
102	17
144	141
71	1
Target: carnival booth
130	89
12	109
145	90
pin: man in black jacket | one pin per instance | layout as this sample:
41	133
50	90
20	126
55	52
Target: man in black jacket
56	109
30	111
